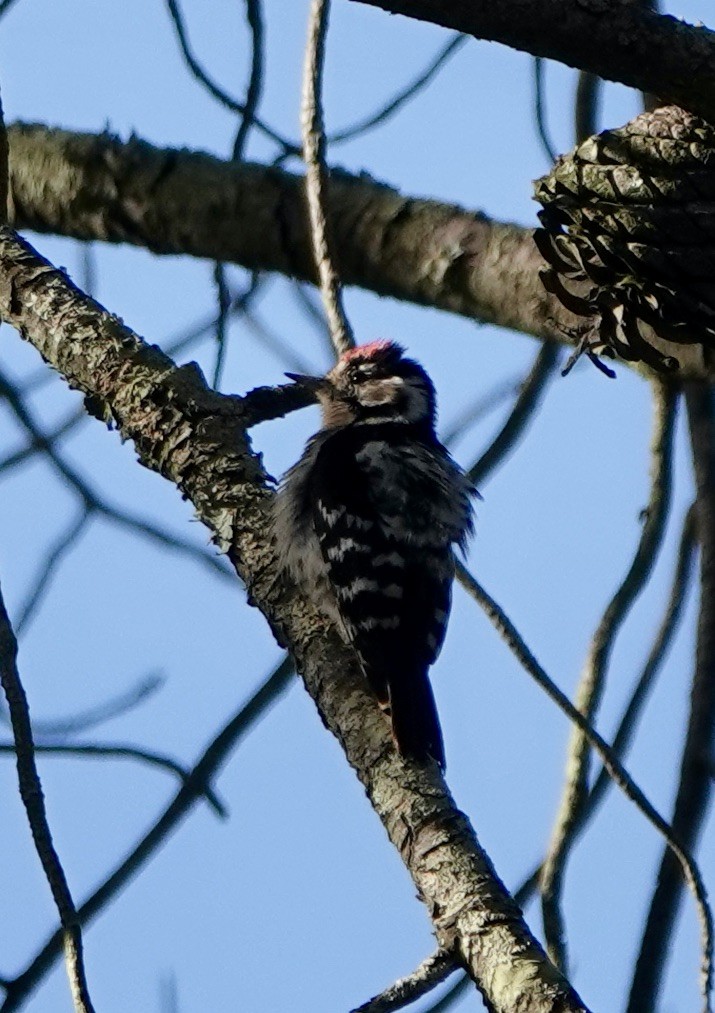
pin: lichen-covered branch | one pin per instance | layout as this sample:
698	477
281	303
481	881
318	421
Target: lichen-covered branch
94	187
197	439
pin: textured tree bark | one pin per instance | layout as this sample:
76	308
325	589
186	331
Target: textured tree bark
181	202
196	438
616	39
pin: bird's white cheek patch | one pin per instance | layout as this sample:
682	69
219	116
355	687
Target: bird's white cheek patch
382	391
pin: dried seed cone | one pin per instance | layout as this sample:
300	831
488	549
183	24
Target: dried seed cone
629	235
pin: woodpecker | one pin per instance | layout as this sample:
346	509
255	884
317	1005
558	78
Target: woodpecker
366	523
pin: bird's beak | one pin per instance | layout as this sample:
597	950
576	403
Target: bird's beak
313	384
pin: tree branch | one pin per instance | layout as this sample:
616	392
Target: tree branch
616	41
34	803
94	187
179	430
695	783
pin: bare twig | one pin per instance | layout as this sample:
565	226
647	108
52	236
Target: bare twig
695	784
540	109
49	566
611	763
593	679
524	409
479	409
404	991
95	503
4	170
316	173
254	17
588	93
223	303
622	738
226	100
673	613
451	998
403	96
35	446
120	751
275	343
70	936
99	714
194	788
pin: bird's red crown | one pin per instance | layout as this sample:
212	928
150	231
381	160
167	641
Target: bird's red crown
374	351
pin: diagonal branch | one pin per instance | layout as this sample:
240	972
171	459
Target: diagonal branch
181	429
34	802
695	782
592	683
612	764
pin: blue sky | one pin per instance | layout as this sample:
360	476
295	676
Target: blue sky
298	901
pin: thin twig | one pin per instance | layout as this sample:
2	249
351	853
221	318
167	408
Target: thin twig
540	109
430	973
96	503
593	678
452	997
70	936
223	302
312	311
88	254
50	564
121	751
210	762
99	714
254	16
588	93
477	411
611	763
671	620
35	446
275	343
4	165
524	409
316	176
694	784
622	738
222	96
403	96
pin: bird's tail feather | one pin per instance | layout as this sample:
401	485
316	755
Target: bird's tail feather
415	724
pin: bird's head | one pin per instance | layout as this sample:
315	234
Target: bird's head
373	383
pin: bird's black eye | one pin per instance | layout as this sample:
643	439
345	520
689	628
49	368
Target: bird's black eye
364	371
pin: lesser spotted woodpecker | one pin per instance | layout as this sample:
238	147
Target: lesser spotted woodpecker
366	523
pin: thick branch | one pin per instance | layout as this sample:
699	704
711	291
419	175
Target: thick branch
180	429
616	40
94	187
